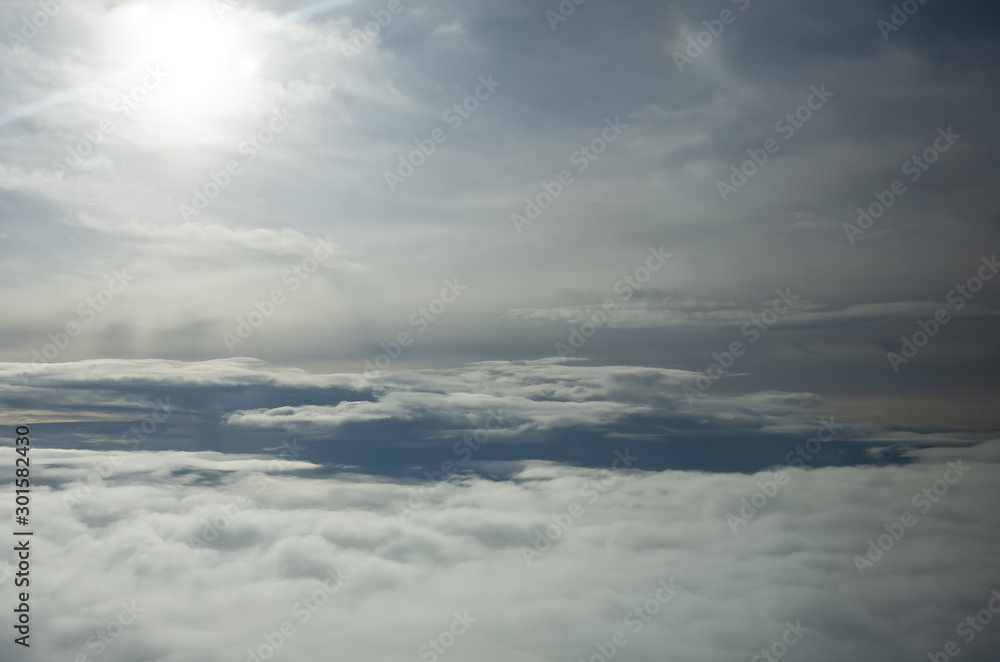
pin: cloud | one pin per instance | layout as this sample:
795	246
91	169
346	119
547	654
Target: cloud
463	550
667	313
410	423
357	116
215	543
285	241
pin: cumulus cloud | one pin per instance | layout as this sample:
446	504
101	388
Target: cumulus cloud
213	578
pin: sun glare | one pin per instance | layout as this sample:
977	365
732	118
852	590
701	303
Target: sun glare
139	14
203	58
248	65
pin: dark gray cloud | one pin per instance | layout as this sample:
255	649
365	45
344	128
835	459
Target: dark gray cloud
355	117
410	422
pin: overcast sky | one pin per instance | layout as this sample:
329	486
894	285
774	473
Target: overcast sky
506	244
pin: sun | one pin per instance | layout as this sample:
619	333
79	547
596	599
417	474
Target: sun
206	59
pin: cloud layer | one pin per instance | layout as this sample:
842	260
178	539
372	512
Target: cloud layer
355	115
165	530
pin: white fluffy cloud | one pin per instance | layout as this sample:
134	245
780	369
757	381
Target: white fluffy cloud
462	550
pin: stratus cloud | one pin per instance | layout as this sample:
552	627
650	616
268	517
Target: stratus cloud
535	396
667	313
459	410
239	371
463	550
243	405
285	241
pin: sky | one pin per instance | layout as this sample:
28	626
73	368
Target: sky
365	299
